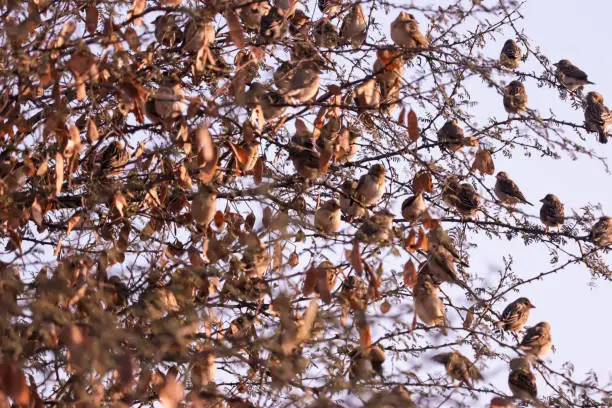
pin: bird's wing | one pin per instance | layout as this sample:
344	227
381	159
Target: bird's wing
524	380
574	72
509	187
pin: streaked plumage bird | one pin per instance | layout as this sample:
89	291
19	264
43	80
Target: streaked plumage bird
299	24
521	380
360	367
570	75
168	101
330	7
306	159
552	212
378	229
597	116
405	33
256	257
515	315
459	367
272	103
327	217
203	206
354	25
112	160
325	34
377	358
510	56
414	207
451	136
399	397
273	25
252	13
367	95
370	189
167	32
300	80
537	341
463	197
428	305
441	267
389	68
198	33
439	238
507	191
601	232
515	98
346	200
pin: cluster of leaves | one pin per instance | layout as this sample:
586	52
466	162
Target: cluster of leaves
121	123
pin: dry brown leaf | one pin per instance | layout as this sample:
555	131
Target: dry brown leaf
59	172
241	155
355	258
310	281
138	7
119	202
235	28
409	242
431	223
172	391
294	259
36	212
365	337
15	384
401	119
219	219
413	126
204	143
91	19
72	222
385	307
421	242
258	170
277	257
410	274
343	143
92	130
422	182
483	162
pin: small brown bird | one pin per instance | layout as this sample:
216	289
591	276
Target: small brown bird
515	98
507	191
399	397
601	232
273	25
354	25
451	136
272	103
552	213
439	238
198	33
325	34
256	257
597	116
347	153
441	267
360	367
537	341
428	305
300	80
377	358
521	380
327	217
167	32
510	56
405	33
515	315
346	200
459	367
168	101
203	206
389	68
252	13
306	159
378	229
203	371
570	75
370	189
330	7
414	207
463	197
367	95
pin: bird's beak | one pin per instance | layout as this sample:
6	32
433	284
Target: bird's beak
531	306
556	64
542	200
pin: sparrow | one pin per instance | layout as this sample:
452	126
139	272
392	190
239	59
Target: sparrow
515	98
347	206
451	136
537	341
112	160
378	229
459	367
198	33
438	238
601	232
428	305
168	102
510	56
300	80
360	366
377	358
462	197
370	189
367	95
353	29
272	103
507	191
252	12
414	207
299	24
273	25
167	32
552	213
405	33
515	315
325	34
399	397
330	7
256	257
346	155
204	205
327	217
441	267
501	402
204	370
570	75
246	66
305	159
522	381
389	68
597	116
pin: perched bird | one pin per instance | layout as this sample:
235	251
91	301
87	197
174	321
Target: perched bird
459	367
111	161
300	80
330	7
327	217
601	232
462	197
347	153
515	98
507	191
378	229
167	32
399	397
552	213
203	371
389	68
252	12
439	238
441	267
325	34
570	75
168	101
428	305
515	315
405	33
501	402
510	56
370	189
537	341
299	25
360	367
451	136
273	25
272	103
377	358
597	116
521	380
367	95
414	207
347	204
353	29
305	159
203	206
198	33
